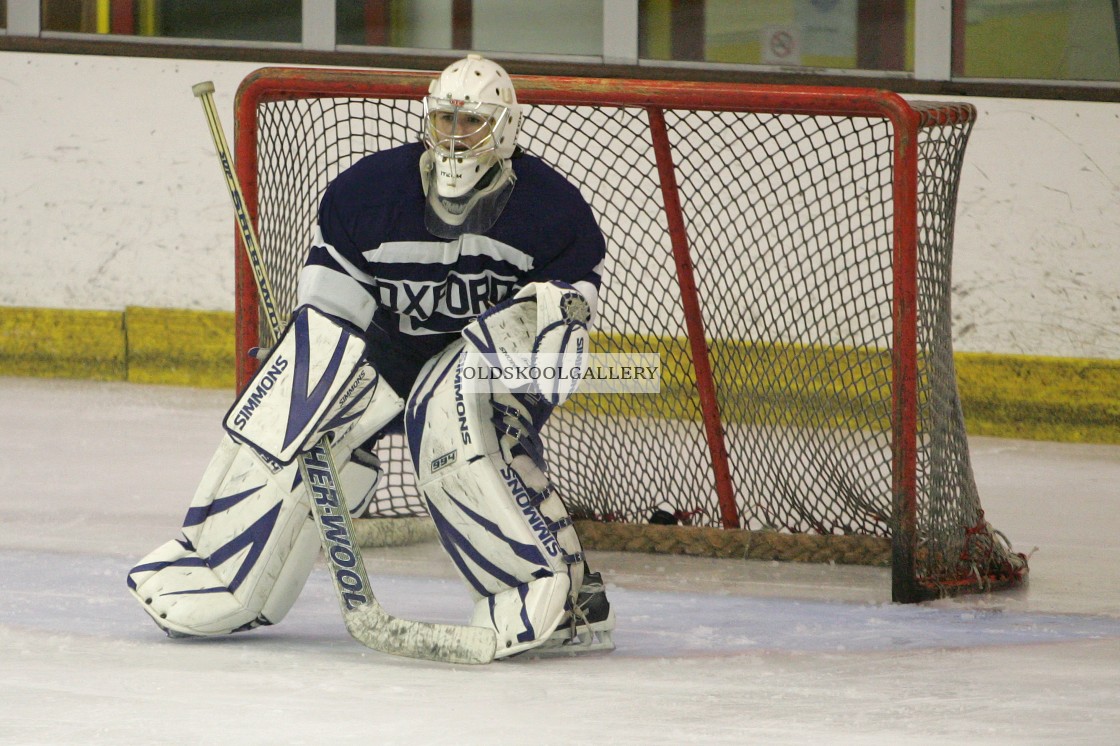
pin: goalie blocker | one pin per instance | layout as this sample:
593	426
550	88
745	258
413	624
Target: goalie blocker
249	541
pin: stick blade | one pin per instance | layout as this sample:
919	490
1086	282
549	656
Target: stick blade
372	626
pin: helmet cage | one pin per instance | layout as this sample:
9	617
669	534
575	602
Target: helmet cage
463	129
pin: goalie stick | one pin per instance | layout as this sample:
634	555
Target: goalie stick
366	620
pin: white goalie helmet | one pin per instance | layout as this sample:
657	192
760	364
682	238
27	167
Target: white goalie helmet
471	122
471	118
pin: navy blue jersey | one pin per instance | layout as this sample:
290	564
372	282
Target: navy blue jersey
375	264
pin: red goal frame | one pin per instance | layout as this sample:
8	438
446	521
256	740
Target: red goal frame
655	97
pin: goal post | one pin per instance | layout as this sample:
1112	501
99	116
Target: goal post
785	250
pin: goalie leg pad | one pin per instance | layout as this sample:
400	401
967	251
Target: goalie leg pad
248	544
504	527
249	541
525	616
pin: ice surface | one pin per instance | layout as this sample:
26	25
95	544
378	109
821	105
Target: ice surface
94	475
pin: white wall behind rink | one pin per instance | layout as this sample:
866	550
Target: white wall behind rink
111	196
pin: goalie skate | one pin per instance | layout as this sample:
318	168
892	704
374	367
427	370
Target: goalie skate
588	628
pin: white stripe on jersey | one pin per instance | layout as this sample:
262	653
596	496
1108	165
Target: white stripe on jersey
334	293
446	252
346	264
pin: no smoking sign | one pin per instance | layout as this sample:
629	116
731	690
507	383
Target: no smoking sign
781	45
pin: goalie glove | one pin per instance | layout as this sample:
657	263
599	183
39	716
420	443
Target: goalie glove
313	383
538	339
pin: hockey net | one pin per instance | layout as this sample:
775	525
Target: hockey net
786	251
